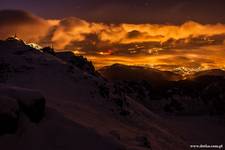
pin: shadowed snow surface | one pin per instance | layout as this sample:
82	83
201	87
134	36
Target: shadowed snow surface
83	111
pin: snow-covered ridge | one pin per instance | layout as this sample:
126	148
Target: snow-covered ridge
85	99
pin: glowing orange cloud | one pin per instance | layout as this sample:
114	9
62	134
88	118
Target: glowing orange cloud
73	29
190	45
29	27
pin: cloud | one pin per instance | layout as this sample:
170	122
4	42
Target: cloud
26	25
73	29
141	44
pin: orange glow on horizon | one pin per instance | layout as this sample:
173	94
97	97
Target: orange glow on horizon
190	45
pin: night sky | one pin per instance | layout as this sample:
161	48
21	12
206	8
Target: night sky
125	11
164	34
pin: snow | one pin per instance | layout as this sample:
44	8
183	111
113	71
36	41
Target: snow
56	132
26	96
77	116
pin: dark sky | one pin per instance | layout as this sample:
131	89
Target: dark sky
125	11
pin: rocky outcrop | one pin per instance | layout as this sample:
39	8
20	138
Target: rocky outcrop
48	50
9	114
31	102
15	102
79	61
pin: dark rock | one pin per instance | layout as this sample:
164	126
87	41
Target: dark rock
35	109
124	113
144	142
79	61
9	115
31	102
48	50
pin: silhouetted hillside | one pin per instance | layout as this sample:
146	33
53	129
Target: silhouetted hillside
203	93
79	61
82	111
213	72
119	72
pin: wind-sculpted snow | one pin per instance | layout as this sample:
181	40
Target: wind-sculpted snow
54	131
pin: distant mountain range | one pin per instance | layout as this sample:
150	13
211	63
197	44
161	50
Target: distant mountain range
125	72
201	93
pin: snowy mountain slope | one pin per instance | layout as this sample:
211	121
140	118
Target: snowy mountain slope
195	106
52	131
84	99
